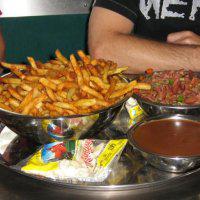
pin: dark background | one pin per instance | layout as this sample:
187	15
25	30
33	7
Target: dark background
40	36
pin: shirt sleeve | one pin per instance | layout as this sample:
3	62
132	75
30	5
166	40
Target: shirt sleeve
127	8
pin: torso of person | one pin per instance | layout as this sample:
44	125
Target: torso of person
155	19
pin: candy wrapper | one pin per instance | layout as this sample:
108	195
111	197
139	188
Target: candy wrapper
81	160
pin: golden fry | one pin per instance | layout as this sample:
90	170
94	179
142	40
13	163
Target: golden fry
52	66
92	70
39	105
54	108
13	102
105	74
142	86
84	102
123	91
6	94
35	101
111	88
94	62
36	92
76	69
61	57
86	76
48	83
42	71
50	94
55	62
94	86
71	93
11	80
5	107
15	94
70	112
67	85
34	66
66	106
92	92
32	62
119	86
26	87
22	92
17	66
117	71
1	88
99	82
102	103
18	73
26	100
55	81
62	94
83	57
32	78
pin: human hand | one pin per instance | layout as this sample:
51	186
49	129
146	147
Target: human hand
184	38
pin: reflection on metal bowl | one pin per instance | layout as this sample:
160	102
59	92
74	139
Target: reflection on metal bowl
152	108
47	129
164	162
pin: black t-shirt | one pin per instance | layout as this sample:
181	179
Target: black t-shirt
155	19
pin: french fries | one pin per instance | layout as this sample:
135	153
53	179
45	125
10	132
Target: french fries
64	86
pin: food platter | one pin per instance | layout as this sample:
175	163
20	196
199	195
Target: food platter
131	173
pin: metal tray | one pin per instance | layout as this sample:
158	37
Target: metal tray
131	173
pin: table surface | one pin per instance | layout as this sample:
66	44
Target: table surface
18	187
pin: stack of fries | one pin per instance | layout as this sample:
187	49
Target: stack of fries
62	86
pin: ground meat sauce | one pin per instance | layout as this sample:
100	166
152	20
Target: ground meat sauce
169	137
172	87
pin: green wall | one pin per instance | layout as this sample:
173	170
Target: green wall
40	36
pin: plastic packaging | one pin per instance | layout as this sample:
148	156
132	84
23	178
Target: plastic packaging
81	160
133	108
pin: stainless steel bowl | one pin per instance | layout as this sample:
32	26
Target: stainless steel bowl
47	129
166	163
152	108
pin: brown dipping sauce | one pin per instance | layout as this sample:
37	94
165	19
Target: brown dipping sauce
169	137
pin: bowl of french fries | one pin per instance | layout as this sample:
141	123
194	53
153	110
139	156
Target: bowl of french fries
62	98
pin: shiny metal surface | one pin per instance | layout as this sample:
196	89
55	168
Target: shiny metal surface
132	174
166	163
44	130
157	109
19	187
22	8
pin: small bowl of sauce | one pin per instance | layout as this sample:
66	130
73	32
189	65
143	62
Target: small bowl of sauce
168	142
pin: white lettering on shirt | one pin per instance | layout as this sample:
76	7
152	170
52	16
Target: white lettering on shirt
195	5
167	13
145	7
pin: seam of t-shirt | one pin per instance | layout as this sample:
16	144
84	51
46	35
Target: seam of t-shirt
123	7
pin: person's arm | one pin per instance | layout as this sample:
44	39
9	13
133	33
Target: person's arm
184	38
110	38
2	47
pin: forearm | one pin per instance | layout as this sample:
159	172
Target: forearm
140	54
